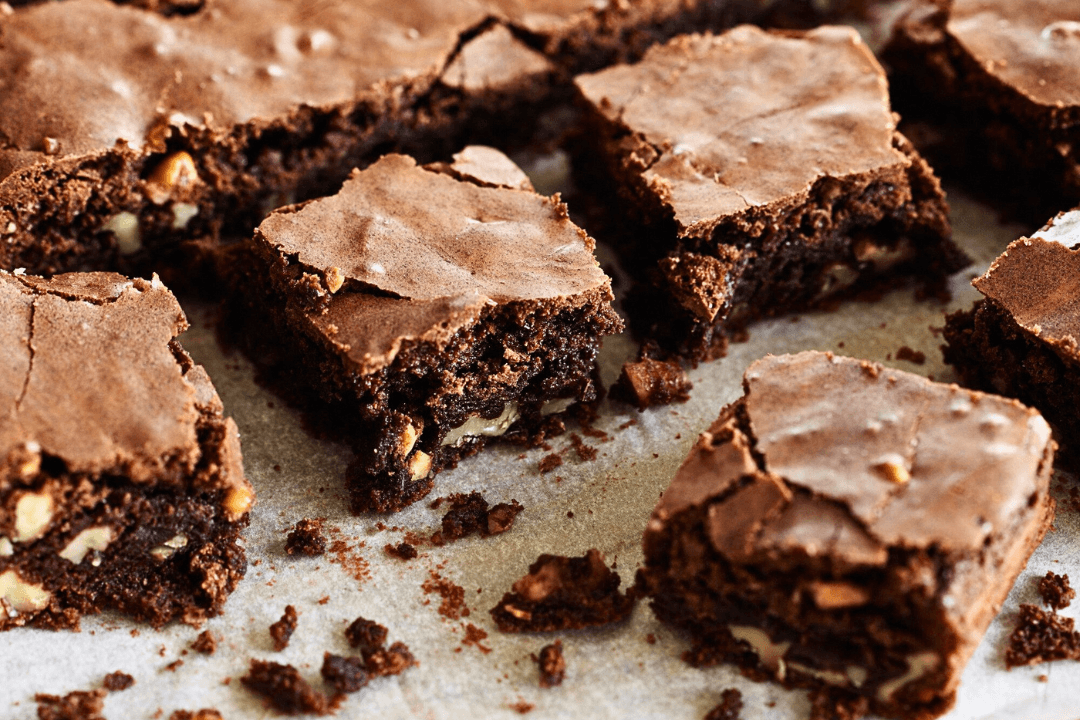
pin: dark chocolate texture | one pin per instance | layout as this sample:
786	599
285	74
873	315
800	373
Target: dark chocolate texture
990	89
850	528
756	173
434	309
121	482
1022	339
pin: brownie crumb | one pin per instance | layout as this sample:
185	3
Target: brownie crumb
831	704
561	593
453	596
913	356
1055	590
549	463
366	635
522	707
470	514
286	690
389	661
552	665
584	452
117	681
401	551
1041	637
650	382
174	665
204	714
306	538
474	637
76	705
205	643
344	674
730	706
283	629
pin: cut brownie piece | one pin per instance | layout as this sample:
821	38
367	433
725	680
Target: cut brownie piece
1022	340
757	172
992	86
561	593
121	483
435	310
173	127
851	528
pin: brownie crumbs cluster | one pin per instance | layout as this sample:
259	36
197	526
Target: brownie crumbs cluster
471	515
1055	590
306	538
1043	636
731	704
552	665
205	643
285	689
282	630
117	681
76	705
650	382
562	593
349	674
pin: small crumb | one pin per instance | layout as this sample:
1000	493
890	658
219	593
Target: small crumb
205	643
522	707
570	514
344	674
367	635
174	665
552	665
913	356
401	551
306	538
584	452
325	599
651	639
285	689
549	463
1055	590
77	705
117	681
283	629
204	714
731	704
1043	678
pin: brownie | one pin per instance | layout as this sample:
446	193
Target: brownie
306	538
206	643
285	689
850	528
563	593
121	481
184	120
429	309
1021	340
648	382
754	173
989	88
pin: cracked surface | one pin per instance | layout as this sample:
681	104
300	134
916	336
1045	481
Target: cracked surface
845	515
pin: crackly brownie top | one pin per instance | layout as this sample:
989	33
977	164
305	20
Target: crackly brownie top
87	376
748	118
1030	45
1037	281
79	76
847	457
412	252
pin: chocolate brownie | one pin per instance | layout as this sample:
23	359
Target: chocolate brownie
563	593
755	173
121	483
172	127
991	90
851	528
1021	340
433	310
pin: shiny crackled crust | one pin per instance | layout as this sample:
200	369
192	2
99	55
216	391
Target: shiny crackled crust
122	484
773	209
808	540
440	307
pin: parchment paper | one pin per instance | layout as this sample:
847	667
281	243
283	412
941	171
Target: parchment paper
628	671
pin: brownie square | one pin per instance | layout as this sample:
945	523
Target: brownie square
436	307
991	91
121	481
850	528
1022	339
759	172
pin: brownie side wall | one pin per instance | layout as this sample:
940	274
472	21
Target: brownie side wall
991	352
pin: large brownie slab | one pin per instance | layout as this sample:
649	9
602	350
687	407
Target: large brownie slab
993	85
850	528
1022	339
438	306
131	136
760	172
121	482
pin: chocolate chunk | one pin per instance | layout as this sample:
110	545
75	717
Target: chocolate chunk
552	665
837	496
561	593
651	382
283	629
306	538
